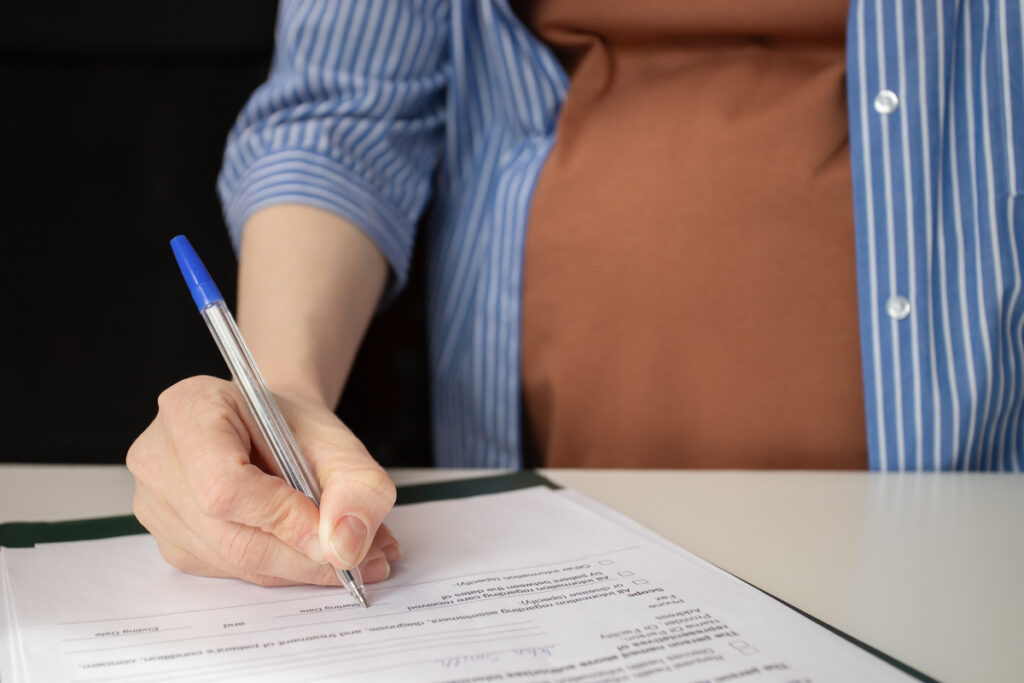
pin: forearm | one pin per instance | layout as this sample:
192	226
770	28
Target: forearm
308	284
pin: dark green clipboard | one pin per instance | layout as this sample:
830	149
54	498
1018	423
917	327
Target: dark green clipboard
27	534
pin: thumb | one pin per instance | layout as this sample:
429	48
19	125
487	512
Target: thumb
356	499
356	492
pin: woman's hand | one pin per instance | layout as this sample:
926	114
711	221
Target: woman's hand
206	487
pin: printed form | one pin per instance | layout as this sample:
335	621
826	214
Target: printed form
531	585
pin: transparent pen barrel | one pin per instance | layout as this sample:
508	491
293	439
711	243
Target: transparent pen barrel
283	446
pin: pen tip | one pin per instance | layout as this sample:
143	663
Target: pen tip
353	581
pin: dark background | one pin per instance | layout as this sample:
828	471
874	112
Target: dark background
113	120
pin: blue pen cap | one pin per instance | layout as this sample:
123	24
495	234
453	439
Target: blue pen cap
200	284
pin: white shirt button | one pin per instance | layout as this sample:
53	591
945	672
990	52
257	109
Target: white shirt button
886	102
898	307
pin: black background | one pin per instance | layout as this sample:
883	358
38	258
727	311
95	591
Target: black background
113	121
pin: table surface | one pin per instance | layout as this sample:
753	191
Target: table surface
926	567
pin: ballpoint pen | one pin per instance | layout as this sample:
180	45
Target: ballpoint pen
262	405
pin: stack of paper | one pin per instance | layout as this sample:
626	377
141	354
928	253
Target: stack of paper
532	585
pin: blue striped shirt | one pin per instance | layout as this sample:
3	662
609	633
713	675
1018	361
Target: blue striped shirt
373	108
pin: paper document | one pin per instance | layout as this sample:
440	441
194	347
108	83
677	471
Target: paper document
531	585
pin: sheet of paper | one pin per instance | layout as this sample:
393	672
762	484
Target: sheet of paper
10	661
532	585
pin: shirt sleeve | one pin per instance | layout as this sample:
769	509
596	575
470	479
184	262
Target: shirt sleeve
350	119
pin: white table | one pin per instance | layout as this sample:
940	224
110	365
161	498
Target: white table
928	568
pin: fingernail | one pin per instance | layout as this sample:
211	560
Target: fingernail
376	570
392	552
348	539
312	549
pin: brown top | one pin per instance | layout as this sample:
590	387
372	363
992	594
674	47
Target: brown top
689	288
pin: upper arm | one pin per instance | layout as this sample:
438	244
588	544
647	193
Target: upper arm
350	119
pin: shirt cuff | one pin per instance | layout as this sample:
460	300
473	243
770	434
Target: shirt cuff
301	177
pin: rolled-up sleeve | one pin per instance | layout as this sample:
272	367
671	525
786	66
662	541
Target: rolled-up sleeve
350	119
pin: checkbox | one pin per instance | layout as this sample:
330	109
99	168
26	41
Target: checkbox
625	573
639	582
606	562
